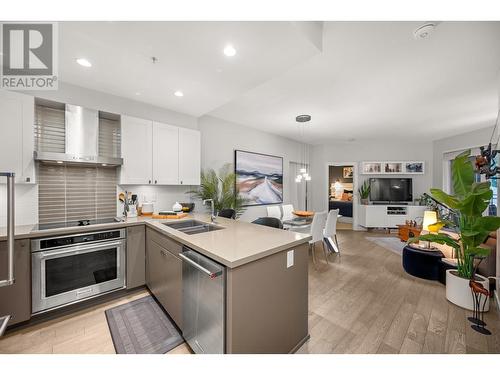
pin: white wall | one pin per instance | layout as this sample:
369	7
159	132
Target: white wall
220	138
26	204
457	142
27	195
346	152
72	94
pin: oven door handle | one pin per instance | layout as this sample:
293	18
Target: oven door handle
78	249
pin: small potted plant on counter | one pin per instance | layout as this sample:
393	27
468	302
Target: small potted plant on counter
469	201
364	192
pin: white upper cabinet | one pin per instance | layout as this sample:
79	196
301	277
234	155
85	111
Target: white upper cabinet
137	150
159	154
189	156
16	129
165	154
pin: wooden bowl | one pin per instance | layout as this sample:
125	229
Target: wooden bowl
303	213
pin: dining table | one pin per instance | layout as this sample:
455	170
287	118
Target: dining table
301	222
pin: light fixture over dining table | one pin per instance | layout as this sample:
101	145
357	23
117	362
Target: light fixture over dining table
303	174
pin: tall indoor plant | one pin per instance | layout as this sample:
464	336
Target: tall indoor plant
221	188
469	200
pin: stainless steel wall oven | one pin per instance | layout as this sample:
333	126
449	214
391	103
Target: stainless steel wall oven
71	268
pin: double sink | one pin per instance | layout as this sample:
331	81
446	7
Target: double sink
193	227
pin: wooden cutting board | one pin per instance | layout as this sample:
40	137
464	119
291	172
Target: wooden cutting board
178	216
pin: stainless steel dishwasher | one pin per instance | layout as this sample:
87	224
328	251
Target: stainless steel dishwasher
204	302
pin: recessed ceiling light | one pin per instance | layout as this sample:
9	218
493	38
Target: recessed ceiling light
179	94
84	62
138	93
229	50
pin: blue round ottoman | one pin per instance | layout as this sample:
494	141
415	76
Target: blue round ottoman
422	263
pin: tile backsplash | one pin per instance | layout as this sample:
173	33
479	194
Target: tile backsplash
163	197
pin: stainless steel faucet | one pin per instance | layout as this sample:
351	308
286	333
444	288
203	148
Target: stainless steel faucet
212	213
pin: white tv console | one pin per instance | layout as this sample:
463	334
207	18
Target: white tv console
387	216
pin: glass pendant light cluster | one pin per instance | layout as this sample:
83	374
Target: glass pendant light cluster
303	174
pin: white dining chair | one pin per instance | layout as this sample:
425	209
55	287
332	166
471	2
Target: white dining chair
287	212
330	232
274	211
317	227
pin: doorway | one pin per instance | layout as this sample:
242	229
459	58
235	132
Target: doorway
341	192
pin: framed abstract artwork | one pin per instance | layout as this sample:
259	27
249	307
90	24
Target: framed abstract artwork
259	177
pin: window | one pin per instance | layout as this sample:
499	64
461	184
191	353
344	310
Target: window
448	185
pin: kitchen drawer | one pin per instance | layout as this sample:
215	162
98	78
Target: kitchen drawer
174	247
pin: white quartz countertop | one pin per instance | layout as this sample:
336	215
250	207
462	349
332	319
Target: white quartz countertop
237	244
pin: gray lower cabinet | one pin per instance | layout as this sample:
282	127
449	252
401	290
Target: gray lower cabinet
164	275
136	256
15	300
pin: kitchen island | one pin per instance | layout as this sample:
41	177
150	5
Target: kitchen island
266	275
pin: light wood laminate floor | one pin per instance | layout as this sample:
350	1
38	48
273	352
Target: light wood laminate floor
361	303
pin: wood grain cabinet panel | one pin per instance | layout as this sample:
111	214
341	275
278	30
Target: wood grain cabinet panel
15	300
136	256
164	275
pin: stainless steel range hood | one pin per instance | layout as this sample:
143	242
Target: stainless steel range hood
81	139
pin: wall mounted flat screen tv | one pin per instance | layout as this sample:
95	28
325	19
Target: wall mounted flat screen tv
391	190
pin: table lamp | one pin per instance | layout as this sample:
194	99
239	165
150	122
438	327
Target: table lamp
339	189
430	218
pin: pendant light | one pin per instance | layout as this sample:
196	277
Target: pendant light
303	174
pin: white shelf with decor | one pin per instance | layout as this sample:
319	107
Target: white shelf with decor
392	167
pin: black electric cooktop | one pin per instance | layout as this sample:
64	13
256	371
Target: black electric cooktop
75	223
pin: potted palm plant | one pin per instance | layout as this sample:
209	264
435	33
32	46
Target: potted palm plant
469	200
221	188
364	192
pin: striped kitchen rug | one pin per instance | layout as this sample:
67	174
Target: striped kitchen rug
142	327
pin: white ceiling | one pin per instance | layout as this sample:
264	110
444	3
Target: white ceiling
371	80
190	58
374	80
